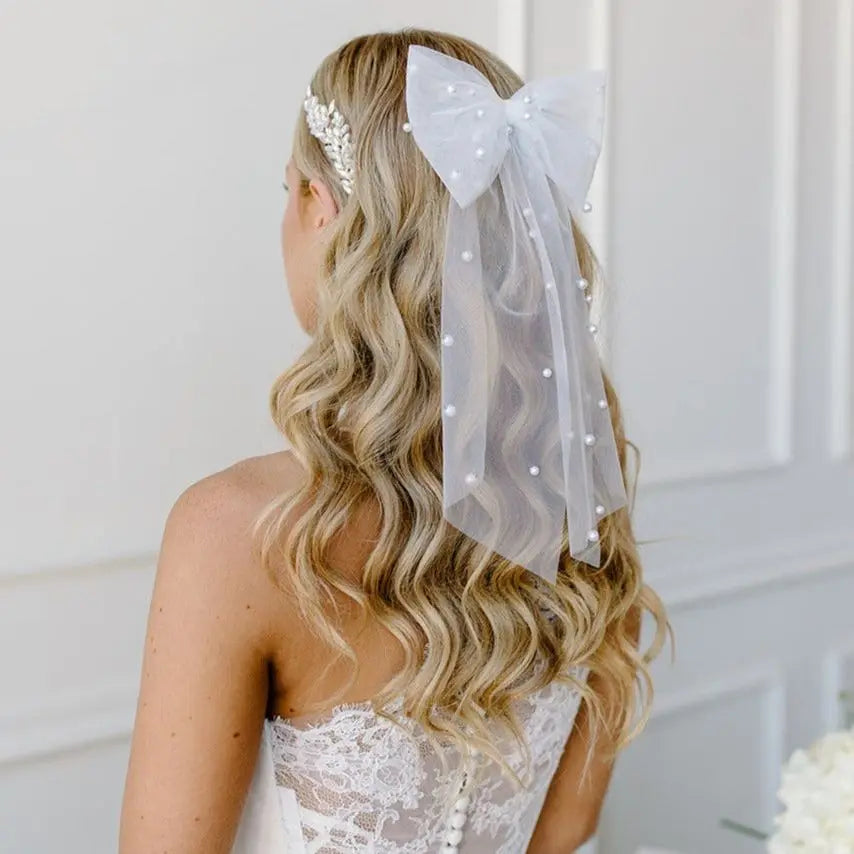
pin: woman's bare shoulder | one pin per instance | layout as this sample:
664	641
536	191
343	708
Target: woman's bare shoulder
230	500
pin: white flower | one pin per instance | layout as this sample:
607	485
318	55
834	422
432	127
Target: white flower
817	790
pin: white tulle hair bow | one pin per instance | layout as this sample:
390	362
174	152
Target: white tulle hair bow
527	435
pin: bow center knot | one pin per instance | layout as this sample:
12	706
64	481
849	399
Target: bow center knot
516	111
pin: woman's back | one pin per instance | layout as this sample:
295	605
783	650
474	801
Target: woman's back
347	779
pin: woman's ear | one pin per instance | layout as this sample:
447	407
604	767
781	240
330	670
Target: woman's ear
324	208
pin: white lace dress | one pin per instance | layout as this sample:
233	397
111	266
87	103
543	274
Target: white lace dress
353	781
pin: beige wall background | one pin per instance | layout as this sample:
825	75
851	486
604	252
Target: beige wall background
145	316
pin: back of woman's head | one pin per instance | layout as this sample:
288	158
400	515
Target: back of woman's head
361	408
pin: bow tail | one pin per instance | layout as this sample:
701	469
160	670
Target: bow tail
592	482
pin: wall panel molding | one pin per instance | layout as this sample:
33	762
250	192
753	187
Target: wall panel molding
514	33
769	566
842	301
787	93
70	723
766	680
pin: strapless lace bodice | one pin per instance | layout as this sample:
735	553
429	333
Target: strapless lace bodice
353	781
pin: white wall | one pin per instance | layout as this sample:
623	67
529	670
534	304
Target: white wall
145	317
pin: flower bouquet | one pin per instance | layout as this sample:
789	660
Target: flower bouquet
817	791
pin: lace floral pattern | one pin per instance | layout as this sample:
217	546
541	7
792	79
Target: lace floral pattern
366	784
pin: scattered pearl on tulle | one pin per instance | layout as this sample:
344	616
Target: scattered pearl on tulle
479	112
508	130
593	328
407	127
588	298
527	211
587	207
455	174
479	152
582	283
549	285
534	470
451	88
531	232
466	255
593	536
526	116
527	99
602	403
447	339
600	510
471	478
450	410
547	372
589	440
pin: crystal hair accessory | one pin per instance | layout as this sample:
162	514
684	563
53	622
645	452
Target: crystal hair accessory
527	433
328	125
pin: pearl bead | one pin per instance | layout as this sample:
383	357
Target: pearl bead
587	207
602	403
451	88
526	116
508	130
588	298
582	283
534	470
547	372
454	836
527	211
471	478
593	328
450	410
549	285
447	339
479	113
462	804
527	99
531	232
589	440
458	820
407	127
466	255
479	152
593	536
600	510
455	174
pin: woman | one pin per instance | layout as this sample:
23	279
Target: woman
320	637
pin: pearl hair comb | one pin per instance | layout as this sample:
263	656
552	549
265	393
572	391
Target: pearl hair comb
328	125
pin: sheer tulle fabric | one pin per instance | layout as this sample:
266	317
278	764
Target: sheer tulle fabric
527	434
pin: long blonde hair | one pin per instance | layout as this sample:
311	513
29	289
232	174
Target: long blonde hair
361	409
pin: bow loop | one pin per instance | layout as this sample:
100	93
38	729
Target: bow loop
465	129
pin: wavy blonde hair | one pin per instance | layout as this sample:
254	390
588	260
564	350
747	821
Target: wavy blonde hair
361	410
